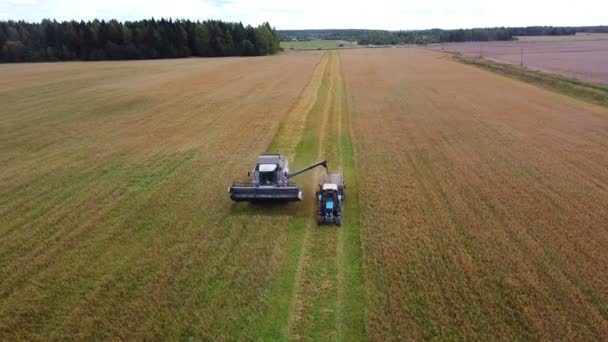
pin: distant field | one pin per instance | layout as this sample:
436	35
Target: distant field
316	44
584	60
577	37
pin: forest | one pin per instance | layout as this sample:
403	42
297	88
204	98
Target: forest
51	40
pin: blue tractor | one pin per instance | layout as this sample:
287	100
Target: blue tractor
330	196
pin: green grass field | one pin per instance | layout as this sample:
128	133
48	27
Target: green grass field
316	44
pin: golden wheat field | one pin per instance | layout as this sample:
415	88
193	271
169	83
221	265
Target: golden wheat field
484	202
477	204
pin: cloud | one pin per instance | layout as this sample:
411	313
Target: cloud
377	14
22	2
220	3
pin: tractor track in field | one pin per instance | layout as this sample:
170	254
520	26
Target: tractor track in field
321	264
298	138
318	305
322	112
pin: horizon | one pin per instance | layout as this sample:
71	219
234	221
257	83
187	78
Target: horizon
312	14
298	29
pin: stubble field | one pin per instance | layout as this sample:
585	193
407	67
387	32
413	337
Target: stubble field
579	36
585	60
476	204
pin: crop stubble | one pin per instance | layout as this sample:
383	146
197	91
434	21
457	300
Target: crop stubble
584	60
483	201
484	209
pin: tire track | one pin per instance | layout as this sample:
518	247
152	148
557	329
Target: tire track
321	111
298	139
330	263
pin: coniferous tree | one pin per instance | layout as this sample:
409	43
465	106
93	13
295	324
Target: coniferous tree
50	40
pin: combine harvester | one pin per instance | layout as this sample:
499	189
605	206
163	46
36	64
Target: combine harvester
270	181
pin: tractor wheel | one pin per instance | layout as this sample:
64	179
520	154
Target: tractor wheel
319	220
339	221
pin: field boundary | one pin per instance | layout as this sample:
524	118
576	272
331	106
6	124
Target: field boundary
590	92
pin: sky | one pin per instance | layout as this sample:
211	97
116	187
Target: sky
323	14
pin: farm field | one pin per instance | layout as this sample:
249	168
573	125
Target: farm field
584	60
576	37
476	203
316	44
115	218
483	202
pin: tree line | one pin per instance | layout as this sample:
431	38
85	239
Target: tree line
435	36
556	30
326	34
383	37
432	36
51	40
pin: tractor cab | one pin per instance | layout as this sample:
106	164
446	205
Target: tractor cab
329	196
330	204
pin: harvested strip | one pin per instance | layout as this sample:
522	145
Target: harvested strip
290	133
331	263
297	138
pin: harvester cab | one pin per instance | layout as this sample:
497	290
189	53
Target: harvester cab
270	181
270	170
330	197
